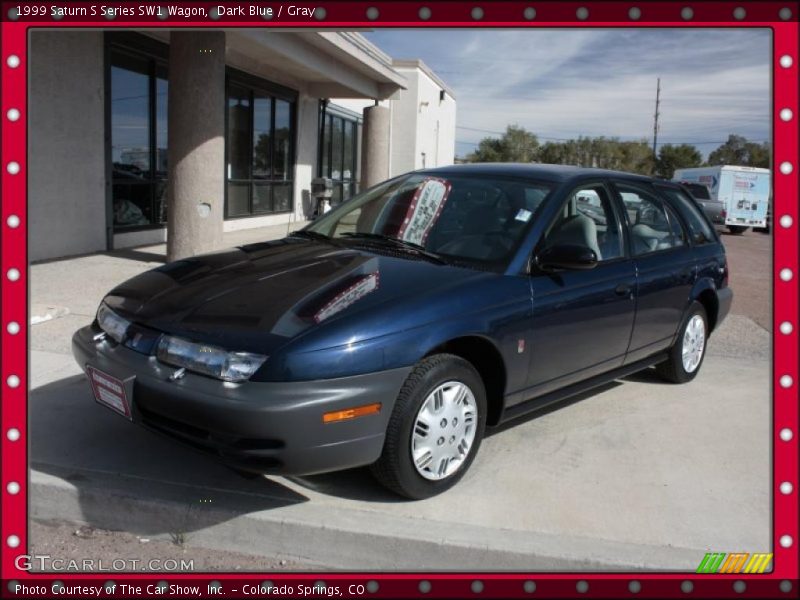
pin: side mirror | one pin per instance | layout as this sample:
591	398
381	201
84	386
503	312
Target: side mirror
573	257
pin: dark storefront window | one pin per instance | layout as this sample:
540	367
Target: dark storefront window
138	114
260	140
259	146
339	155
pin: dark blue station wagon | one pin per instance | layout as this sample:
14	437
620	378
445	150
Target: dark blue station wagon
394	329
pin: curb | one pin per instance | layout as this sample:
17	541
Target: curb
293	527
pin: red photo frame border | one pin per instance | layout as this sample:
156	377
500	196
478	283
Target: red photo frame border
781	582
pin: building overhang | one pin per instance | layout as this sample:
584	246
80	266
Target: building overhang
415	63
326	64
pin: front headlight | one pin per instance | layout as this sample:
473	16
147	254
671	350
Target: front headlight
208	360
110	322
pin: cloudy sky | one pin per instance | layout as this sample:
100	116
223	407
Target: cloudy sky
565	83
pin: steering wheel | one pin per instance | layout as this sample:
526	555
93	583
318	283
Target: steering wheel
497	242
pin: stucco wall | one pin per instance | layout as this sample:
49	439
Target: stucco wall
436	124
66	152
405	113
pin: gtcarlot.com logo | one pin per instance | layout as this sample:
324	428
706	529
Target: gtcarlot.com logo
45	562
735	562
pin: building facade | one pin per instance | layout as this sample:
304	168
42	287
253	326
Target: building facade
423	119
137	137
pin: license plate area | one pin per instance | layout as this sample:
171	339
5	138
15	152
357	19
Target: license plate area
111	391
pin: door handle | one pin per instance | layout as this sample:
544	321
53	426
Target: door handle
623	289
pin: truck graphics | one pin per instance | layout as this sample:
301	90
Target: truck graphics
745	191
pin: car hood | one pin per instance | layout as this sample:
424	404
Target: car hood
256	297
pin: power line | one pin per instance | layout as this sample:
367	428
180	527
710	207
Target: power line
619	137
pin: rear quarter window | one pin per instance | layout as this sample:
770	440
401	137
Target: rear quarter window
653	225
699	227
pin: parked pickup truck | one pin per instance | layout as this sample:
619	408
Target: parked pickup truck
714	209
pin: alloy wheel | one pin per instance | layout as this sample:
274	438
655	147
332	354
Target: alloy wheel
444	430
694	341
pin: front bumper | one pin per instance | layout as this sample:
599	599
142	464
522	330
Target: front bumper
270	427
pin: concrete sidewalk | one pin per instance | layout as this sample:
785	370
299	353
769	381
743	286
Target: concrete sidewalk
638	474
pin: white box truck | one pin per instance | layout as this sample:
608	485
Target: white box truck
745	192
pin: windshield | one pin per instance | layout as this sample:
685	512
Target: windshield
473	219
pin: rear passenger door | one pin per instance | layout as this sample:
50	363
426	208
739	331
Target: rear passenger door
709	254
665	268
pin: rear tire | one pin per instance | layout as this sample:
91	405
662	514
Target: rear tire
737	229
687	353
435	429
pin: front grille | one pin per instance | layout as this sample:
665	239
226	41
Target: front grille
164	423
205	439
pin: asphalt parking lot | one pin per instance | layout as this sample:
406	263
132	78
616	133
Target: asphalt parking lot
638	474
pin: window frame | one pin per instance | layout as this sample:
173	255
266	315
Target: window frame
253	84
615	208
325	162
650	189
156	54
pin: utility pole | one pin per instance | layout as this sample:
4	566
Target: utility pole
655	123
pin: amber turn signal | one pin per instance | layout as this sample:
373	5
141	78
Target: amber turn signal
352	413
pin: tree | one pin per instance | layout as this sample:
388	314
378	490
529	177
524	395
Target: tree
515	145
600	152
677	157
738	151
637	157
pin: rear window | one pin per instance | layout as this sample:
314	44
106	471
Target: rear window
698	190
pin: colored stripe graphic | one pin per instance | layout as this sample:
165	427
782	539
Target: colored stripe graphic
735	562
758	563
711	562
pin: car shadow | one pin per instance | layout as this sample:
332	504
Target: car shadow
526	418
357	484
353	484
92	448
156	485
648	375
139	255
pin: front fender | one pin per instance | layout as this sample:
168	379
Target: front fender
398	349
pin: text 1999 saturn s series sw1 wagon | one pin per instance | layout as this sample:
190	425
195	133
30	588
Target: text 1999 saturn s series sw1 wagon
396	327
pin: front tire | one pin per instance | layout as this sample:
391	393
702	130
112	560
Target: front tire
687	353
435	429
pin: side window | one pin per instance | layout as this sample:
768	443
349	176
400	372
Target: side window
588	219
699	228
653	226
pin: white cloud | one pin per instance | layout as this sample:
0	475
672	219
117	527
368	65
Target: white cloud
563	83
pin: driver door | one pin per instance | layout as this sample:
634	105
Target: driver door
582	319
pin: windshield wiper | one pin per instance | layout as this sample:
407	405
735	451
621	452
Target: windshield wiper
312	235
397	243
